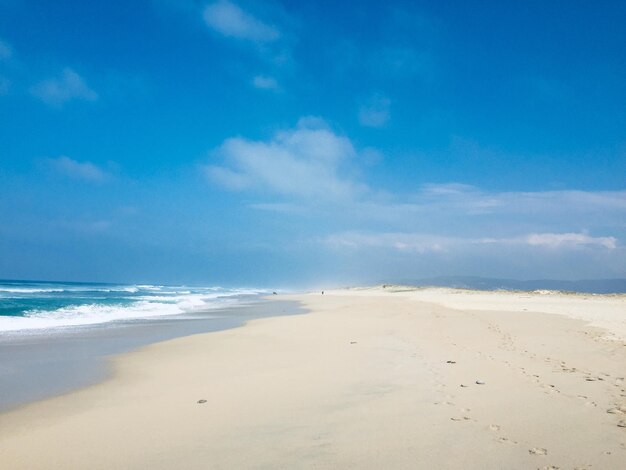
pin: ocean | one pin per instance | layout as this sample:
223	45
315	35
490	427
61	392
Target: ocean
34	306
57	336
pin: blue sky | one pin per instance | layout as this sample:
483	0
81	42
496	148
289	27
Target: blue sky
304	143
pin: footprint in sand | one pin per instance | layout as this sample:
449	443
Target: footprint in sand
538	451
616	411
464	418
506	440
494	427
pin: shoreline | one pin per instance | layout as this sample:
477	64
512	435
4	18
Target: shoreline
41	365
366	378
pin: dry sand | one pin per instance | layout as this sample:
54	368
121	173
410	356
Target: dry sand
370	379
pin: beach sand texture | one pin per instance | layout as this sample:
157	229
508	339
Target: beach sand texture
374	378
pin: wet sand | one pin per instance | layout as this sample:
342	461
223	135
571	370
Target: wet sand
44	364
369	378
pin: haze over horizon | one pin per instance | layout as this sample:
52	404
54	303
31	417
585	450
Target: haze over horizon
297	143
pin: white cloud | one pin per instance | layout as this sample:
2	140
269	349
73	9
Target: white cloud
412	242
301	174
68	86
423	243
447	189
292	167
469	200
305	162
229	20
265	83
556	240
230	179
5	50
384	256
85	171
375	113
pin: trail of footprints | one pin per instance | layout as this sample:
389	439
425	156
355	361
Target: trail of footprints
465	416
507	343
496	429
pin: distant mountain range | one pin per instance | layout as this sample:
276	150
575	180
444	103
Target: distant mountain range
595	286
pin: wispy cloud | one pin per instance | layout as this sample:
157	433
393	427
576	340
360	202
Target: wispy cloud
305	162
413	242
472	200
424	243
297	162
557	240
230	20
379	255
376	112
68	86
85	171
308	174
264	82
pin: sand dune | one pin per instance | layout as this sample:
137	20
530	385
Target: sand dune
369	379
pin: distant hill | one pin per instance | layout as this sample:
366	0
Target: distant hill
595	286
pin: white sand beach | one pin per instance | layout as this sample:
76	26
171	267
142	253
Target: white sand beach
370	378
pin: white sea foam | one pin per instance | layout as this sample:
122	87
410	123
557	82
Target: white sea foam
45	290
28	290
176	303
181	297
89	314
131	290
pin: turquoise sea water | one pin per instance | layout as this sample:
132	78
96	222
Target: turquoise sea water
28	306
